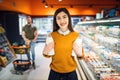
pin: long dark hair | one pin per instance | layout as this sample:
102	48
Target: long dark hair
55	25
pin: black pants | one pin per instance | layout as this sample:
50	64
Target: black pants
62	76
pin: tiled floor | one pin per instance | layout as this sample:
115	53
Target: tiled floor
40	73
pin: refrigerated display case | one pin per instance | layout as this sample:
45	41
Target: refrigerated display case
101	39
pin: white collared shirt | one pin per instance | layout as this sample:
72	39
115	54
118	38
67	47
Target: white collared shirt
64	33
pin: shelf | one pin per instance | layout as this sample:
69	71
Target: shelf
7	54
87	71
83	71
109	21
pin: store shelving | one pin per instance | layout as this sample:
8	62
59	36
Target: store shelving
6	52
102	38
111	21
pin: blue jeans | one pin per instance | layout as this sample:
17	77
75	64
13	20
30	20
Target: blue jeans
32	50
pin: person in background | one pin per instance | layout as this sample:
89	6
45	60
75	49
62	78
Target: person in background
29	35
63	40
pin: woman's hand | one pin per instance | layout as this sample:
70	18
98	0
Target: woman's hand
49	46
77	47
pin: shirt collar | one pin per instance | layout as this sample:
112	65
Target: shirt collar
64	33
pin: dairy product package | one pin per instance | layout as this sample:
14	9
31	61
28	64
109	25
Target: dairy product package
78	41
49	39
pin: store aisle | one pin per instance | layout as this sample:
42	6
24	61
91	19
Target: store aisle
40	73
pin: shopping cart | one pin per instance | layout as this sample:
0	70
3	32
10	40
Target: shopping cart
21	65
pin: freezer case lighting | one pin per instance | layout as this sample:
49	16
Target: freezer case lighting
99	21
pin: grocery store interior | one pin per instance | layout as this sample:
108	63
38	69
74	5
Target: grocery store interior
98	23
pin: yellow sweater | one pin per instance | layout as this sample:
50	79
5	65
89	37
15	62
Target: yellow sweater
62	61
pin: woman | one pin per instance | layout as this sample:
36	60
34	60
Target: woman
63	40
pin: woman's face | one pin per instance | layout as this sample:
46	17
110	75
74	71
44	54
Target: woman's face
62	21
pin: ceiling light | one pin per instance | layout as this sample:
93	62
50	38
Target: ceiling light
46	5
43	1
59	0
71	6
14	4
51	6
91	5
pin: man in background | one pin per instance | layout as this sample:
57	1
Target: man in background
29	35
